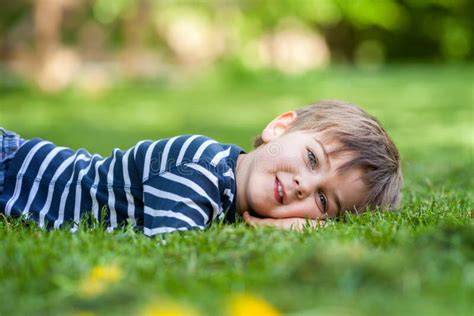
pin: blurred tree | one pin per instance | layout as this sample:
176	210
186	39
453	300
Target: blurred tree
142	35
56	65
12	23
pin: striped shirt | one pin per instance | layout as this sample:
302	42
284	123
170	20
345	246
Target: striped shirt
179	183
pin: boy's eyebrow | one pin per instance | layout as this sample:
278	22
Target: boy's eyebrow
338	203
326	156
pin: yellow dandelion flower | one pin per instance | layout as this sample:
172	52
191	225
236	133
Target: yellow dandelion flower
83	313
99	278
111	273
168	309
249	305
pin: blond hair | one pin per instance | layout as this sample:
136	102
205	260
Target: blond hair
361	134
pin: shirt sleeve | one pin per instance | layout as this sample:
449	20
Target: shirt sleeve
184	197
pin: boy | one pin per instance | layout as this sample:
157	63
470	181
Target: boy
308	165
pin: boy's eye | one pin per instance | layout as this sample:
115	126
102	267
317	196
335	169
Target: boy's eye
313	161
324	202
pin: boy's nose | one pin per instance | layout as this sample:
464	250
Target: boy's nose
301	187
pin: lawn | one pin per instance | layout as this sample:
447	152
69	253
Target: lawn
419	261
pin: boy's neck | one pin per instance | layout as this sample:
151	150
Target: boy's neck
242	171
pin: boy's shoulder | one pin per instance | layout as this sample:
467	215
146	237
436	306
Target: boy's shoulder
204	150
190	149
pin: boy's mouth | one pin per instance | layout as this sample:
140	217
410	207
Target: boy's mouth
278	191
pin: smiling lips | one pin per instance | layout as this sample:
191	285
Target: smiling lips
279	191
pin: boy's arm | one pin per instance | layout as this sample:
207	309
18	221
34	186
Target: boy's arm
179	199
293	223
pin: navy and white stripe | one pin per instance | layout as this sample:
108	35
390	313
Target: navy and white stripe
175	184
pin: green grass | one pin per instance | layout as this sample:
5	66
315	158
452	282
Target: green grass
417	261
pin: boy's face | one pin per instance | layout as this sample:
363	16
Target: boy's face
291	176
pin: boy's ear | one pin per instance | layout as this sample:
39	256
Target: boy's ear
278	126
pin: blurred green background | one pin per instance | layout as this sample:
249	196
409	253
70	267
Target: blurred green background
91	44
119	70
